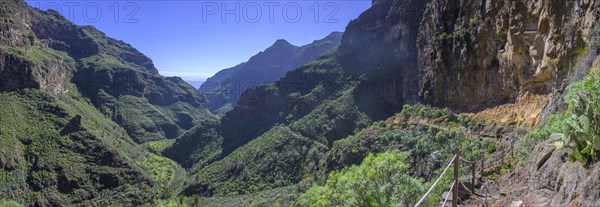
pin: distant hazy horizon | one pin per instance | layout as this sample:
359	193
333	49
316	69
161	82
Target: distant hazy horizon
196	84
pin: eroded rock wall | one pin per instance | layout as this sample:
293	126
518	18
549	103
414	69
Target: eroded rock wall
477	54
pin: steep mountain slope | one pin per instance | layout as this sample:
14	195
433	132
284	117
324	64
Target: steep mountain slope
334	74
120	81
278	132
224	89
72	101
56	151
221	76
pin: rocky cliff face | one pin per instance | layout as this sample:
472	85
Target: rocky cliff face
381	44
226	87
19	42
548	178
476	54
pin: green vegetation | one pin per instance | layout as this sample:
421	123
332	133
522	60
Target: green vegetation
278	158
278	197
148	106
197	147
488	145
428	112
102	61
224	89
381	180
223	109
40	56
473	21
159	146
425	149
144	121
72	156
461	30
327	120
269	198
554	123
579	123
575	127
74	152
10	203
169	203
293	145
167	173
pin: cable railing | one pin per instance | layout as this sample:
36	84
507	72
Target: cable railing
448	194
454	187
435	183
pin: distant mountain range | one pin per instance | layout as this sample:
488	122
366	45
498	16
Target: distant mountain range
225	87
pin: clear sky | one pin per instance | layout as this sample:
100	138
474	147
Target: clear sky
194	39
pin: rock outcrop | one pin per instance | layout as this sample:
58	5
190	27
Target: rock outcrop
477	54
548	178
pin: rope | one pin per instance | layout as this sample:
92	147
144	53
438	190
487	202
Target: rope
435	183
450	191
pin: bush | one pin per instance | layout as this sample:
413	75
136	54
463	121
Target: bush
429	112
581	126
381	180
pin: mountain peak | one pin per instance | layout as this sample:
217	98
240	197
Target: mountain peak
335	34
282	43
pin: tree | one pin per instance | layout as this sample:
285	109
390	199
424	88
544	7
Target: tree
381	180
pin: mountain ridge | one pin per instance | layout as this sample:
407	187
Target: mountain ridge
225	87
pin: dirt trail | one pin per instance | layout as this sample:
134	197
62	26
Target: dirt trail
525	113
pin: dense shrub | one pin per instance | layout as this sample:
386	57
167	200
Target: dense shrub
381	180
580	125
429	112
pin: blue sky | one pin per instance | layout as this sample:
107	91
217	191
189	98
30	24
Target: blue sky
194	39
